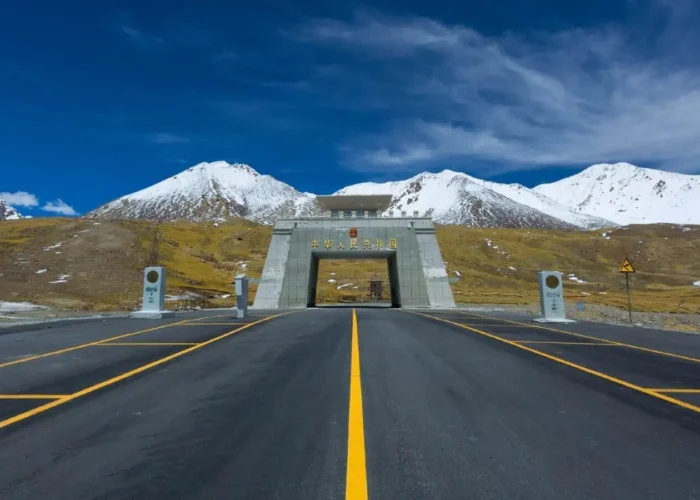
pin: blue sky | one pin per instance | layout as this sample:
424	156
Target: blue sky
100	99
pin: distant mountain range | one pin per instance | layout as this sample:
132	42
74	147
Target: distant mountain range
600	196
7	212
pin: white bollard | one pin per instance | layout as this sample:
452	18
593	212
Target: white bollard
241	295
551	298
153	295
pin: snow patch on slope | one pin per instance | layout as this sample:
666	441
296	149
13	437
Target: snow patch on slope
627	194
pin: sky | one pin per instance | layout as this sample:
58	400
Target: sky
100	99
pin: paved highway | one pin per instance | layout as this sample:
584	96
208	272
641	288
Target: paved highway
342	403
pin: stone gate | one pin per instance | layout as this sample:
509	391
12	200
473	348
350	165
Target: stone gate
355	227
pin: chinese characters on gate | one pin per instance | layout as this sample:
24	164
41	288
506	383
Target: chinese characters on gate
366	244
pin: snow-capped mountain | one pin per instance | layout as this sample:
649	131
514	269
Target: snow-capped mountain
8	213
627	194
213	191
456	198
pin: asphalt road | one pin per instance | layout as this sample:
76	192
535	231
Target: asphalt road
409	405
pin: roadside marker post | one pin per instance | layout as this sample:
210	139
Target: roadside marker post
551	298
241	284
627	268
153	295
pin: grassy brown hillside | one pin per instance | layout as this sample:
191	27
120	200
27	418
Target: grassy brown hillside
498	266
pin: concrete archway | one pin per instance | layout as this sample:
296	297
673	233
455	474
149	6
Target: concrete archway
389	255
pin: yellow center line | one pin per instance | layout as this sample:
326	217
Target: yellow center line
356	478
32	396
146	343
123	376
98	342
631	346
679	391
574	365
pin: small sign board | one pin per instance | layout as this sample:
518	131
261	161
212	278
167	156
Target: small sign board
626	266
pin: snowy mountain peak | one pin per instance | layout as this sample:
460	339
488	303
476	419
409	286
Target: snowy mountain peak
8	213
621	193
213	191
628	194
457	198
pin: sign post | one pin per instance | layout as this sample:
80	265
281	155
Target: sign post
627	268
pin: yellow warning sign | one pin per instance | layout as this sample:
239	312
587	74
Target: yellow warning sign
626	266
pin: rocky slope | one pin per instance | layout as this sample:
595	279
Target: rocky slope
7	212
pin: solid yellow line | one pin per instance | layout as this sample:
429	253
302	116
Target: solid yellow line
631	346
574	365
147	343
561	343
98	342
356	478
679	391
32	396
123	376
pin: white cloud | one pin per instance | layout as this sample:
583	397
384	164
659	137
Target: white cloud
167	139
20	199
523	101
59	207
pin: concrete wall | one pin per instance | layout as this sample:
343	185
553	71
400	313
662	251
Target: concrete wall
290	262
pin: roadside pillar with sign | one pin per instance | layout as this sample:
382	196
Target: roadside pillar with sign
627	268
153	306
551	298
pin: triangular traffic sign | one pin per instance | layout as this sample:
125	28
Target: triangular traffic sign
626	266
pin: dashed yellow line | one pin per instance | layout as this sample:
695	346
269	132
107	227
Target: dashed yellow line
580	335
564	343
356	477
123	376
98	342
232	323
679	391
146	343
604	376
33	396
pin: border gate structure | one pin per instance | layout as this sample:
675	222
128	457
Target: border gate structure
355	227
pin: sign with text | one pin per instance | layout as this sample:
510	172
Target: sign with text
354	244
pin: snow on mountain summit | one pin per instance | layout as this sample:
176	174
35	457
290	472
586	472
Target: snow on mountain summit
627	194
8	213
211	191
456	198
600	196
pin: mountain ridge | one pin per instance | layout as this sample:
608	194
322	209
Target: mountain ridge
218	190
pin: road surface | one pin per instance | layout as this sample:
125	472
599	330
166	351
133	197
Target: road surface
341	403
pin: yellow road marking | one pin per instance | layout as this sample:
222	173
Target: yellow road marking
98	342
574	365
147	343
631	346
562	343
679	391
356	478
232	323
32	396
123	376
